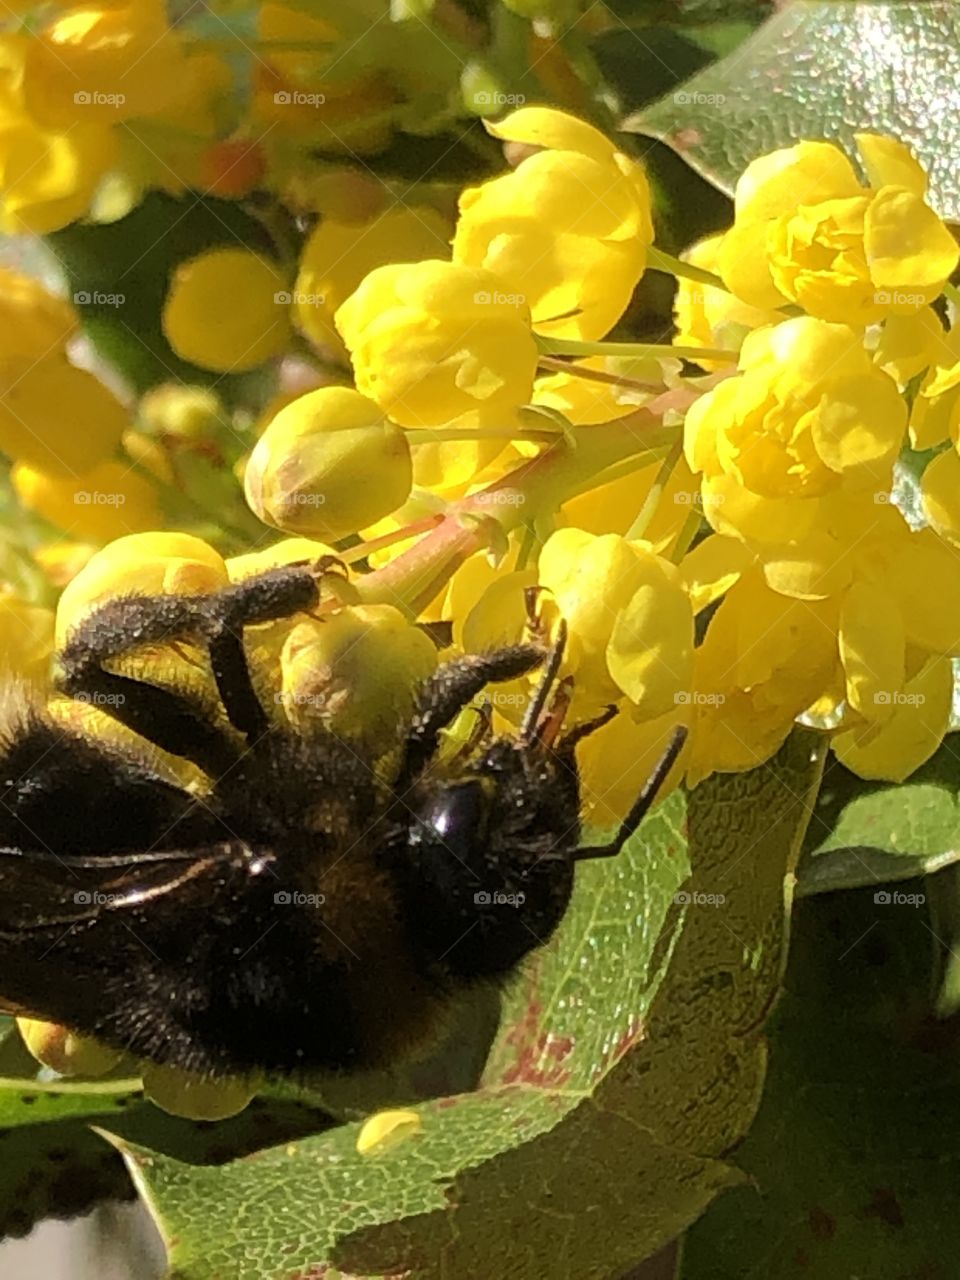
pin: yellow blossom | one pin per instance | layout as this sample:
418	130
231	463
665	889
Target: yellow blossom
764	660
569	228
707	316
328	464
808	415
808	232
629	619
432	340
339	254
57	417
106	502
228	310
102	61
142	564
355	672
26	638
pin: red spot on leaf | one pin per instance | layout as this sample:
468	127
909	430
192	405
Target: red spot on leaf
822	1224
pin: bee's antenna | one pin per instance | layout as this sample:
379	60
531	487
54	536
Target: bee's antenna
538	702
642	803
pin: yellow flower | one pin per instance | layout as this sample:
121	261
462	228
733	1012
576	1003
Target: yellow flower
616	761
808	415
58	418
228	310
65	1052
586	402
765	659
328	464
808	232
106	502
629	620
181	1093
26	638
338	255
569	228
142	564
48	175
355	672
432	340
706	316
33	322
890	749
104	61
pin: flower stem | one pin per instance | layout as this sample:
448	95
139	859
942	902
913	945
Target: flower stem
652	500
658	260
574	347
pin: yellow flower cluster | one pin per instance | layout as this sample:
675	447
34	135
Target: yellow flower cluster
713	519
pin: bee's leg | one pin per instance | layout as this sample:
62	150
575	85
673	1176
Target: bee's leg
448	691
172	721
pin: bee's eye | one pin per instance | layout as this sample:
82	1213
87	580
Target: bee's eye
456	819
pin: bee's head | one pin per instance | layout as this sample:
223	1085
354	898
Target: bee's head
489	855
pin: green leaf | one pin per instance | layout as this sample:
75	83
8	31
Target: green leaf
855	1154
824	70
868	833
630	1059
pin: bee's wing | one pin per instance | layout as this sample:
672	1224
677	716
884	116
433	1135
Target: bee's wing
132	949
41	893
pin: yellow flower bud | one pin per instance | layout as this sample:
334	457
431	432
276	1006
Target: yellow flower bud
568	229
104	503
432	340
355	672
194	1097
189	413
328	464
64	1051
228	310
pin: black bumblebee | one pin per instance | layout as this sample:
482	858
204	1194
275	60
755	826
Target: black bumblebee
302	915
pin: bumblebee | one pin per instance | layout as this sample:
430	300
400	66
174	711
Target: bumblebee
301	916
